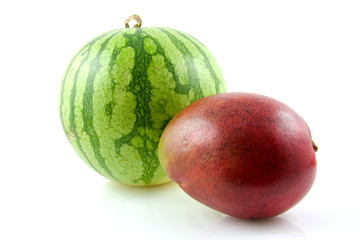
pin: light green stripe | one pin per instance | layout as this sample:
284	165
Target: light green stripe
113	106
87	111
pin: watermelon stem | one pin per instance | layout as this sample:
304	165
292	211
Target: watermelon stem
133	17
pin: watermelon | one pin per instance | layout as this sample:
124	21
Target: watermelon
122	88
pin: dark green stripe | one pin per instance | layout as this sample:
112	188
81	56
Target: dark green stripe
189	60
140	86
206	60
73	94
87	111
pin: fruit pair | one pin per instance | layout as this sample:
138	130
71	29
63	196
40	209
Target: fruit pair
243	154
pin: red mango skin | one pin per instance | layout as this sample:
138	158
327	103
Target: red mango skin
245	155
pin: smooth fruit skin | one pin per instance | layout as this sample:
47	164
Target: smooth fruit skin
122	88
246	155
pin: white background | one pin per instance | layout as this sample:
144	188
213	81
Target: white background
303	53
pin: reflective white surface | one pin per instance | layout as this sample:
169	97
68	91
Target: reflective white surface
303	53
